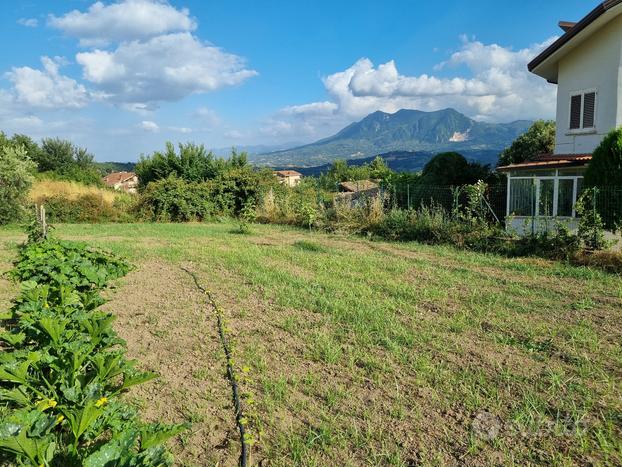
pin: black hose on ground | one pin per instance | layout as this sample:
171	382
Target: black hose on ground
230	373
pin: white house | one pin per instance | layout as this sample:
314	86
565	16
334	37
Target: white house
585	63
288	177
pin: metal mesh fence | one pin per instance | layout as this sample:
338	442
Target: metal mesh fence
527	200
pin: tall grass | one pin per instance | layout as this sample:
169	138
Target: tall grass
68	201
46	188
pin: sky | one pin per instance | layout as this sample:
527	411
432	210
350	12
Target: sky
123	77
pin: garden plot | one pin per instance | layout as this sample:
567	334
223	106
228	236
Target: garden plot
357	352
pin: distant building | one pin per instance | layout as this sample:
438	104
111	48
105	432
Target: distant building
357	193
359	186
288	177
585	63
123	181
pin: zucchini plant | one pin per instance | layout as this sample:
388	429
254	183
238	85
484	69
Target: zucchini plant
63	367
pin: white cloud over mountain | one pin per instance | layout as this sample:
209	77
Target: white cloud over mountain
498	88
126	20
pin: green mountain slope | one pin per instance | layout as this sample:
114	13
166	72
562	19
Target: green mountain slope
404	130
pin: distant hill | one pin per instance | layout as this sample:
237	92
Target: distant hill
109	167
405	130
402	161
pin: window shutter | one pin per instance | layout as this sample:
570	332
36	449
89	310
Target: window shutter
589	103
575	112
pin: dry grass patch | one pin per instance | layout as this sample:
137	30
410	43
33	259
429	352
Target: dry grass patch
45	188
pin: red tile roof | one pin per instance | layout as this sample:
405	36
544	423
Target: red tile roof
549	161
118	177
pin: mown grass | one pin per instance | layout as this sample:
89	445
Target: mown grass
366	352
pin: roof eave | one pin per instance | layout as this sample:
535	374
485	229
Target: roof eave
536	65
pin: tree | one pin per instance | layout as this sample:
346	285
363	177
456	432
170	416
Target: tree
452	169
65	160
192	163
56	155
538	139
378	169
605	168
15	180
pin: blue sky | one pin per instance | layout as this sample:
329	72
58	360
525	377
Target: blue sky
121	78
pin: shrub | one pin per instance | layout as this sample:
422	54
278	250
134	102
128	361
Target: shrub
591	229
176	200
557	244
88	208
15	180
610	261
605	168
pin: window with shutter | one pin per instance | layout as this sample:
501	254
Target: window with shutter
589	103
575	112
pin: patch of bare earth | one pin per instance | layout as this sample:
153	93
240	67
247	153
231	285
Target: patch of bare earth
170	329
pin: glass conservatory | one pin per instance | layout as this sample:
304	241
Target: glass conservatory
542	193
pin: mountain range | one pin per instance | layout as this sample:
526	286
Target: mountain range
403	134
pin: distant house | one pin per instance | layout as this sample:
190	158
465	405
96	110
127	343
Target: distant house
357	192
585	63
288	177
359	186
123	181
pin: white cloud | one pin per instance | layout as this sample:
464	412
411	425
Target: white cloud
123	21
497	87
181	129
150	126
47	88
317	108
163	68
28	22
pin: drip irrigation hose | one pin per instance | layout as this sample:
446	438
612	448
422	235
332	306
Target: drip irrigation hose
230	373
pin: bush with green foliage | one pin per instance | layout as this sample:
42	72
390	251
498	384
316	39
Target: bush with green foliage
605	172
175	200
342	171
538	139
179	200
68	161
452	169
57	158
605	168
591	229
63	367
193	163
89	208
15	180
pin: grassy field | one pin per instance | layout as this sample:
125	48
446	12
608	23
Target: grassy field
353	352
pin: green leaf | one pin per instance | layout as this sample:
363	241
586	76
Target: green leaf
13	338
19	395
108	454
80	420
130	380
155	434
53	327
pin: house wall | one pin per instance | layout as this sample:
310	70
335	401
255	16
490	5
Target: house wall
594	64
